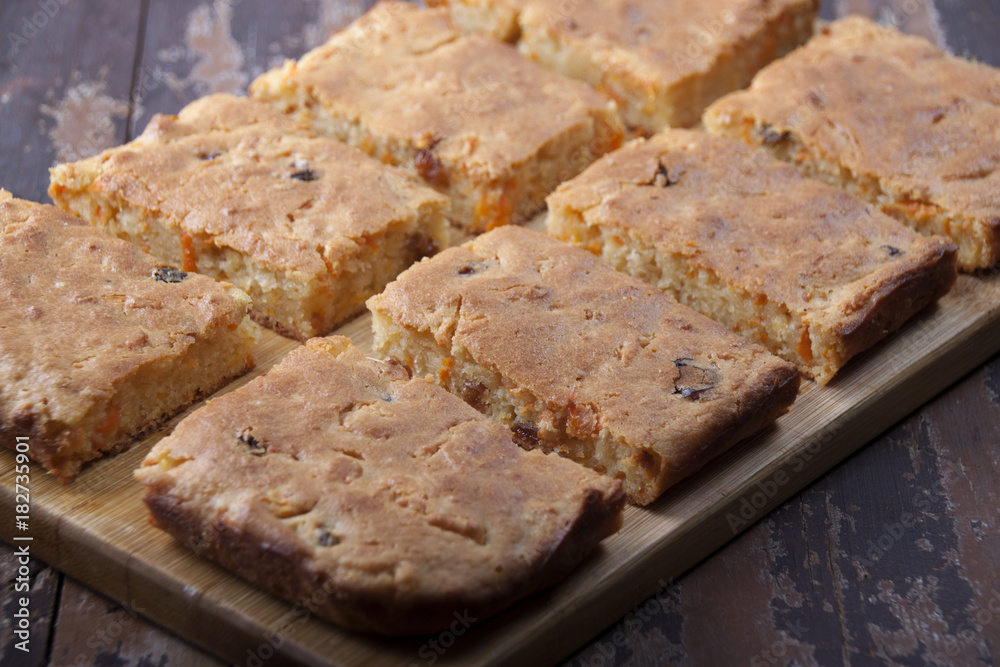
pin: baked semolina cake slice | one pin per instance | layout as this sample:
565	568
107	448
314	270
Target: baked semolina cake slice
810	272
387	505
472	117
661	61
577	358
890	118
100	342
231	188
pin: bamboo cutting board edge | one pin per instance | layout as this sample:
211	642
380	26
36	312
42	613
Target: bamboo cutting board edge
80	528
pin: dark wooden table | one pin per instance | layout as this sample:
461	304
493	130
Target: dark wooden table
893	557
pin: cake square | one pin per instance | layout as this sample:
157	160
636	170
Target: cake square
476	120
231	188
386	505
100	341
577	358
661	61
807	270
890	118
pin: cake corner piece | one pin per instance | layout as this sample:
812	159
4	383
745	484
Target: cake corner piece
102	342
388	505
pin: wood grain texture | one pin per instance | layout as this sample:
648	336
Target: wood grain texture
195	47
810	584
63	93
93	630
892	558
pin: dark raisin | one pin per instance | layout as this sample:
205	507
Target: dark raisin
211	155
306	174
168	274
473	394
694	380
661	178
254	445
430	168
470	268
645	460
525	435
771	137
893	251
326	538
420	245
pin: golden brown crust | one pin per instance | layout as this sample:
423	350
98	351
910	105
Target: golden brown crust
231	174
571	336
467	113
833	262
892	118
661	61
387	505
86	321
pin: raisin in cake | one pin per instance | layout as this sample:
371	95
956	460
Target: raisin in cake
809	271
577	358
309	227
387	505
476	120
100	341
891	119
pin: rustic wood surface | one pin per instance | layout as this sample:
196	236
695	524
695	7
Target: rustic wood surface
891	558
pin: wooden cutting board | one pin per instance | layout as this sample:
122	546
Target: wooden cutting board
97	531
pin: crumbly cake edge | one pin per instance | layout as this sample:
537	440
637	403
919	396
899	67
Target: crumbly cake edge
478	202
643	471
289	302
50	439
292	578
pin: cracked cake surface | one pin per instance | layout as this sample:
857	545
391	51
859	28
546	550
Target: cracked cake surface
578	358
892	119
467	113
806	269
387	502
100	341
661	61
